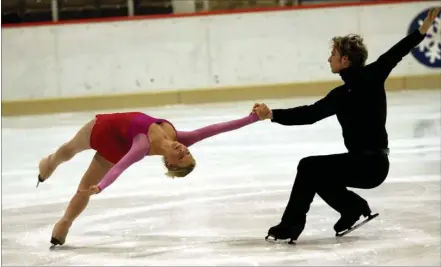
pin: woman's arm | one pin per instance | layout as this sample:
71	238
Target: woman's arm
189	138
140	148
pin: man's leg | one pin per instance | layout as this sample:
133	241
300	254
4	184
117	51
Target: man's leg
329	175
349	170
302	194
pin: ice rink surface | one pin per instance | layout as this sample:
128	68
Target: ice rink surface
221	213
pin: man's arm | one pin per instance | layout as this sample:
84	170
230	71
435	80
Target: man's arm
308	114
387	61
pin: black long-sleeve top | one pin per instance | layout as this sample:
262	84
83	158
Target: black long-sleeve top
360	103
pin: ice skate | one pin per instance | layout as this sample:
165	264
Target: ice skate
284	231
345	224
59	233
45	170
370	217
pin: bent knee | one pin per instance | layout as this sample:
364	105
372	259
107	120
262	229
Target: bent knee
306	164
374	181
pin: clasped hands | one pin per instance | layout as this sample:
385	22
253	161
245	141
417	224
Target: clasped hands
262	111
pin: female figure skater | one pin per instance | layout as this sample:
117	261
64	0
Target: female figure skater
120	140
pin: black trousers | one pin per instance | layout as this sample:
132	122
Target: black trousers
329	176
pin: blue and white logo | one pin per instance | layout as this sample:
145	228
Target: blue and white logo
428	52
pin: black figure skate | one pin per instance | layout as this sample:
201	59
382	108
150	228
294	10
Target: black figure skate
284	231
40	180
345	224
55	242
59	233
50	171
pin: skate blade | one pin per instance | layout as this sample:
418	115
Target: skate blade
39	180
54	243
274	240
369	218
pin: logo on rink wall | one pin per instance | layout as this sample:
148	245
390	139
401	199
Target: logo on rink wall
428	52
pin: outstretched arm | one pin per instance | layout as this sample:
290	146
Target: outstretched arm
140	147
308	114
189	138
387	61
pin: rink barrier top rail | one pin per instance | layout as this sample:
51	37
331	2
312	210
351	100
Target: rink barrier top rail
210	13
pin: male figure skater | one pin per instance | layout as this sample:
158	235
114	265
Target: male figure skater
360	106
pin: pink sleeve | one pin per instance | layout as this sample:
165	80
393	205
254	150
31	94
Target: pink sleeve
189	138
140	148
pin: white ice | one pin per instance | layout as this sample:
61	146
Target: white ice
220	214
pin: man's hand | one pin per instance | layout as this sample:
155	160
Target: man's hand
428	21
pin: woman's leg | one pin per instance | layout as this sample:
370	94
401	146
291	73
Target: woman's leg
79	143
96	171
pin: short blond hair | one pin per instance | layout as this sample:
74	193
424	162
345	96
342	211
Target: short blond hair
178	171
351	46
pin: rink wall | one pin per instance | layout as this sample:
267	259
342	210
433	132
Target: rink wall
191	59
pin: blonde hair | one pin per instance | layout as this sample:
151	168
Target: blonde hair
178	171
353	47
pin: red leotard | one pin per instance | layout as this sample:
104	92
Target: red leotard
112	135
